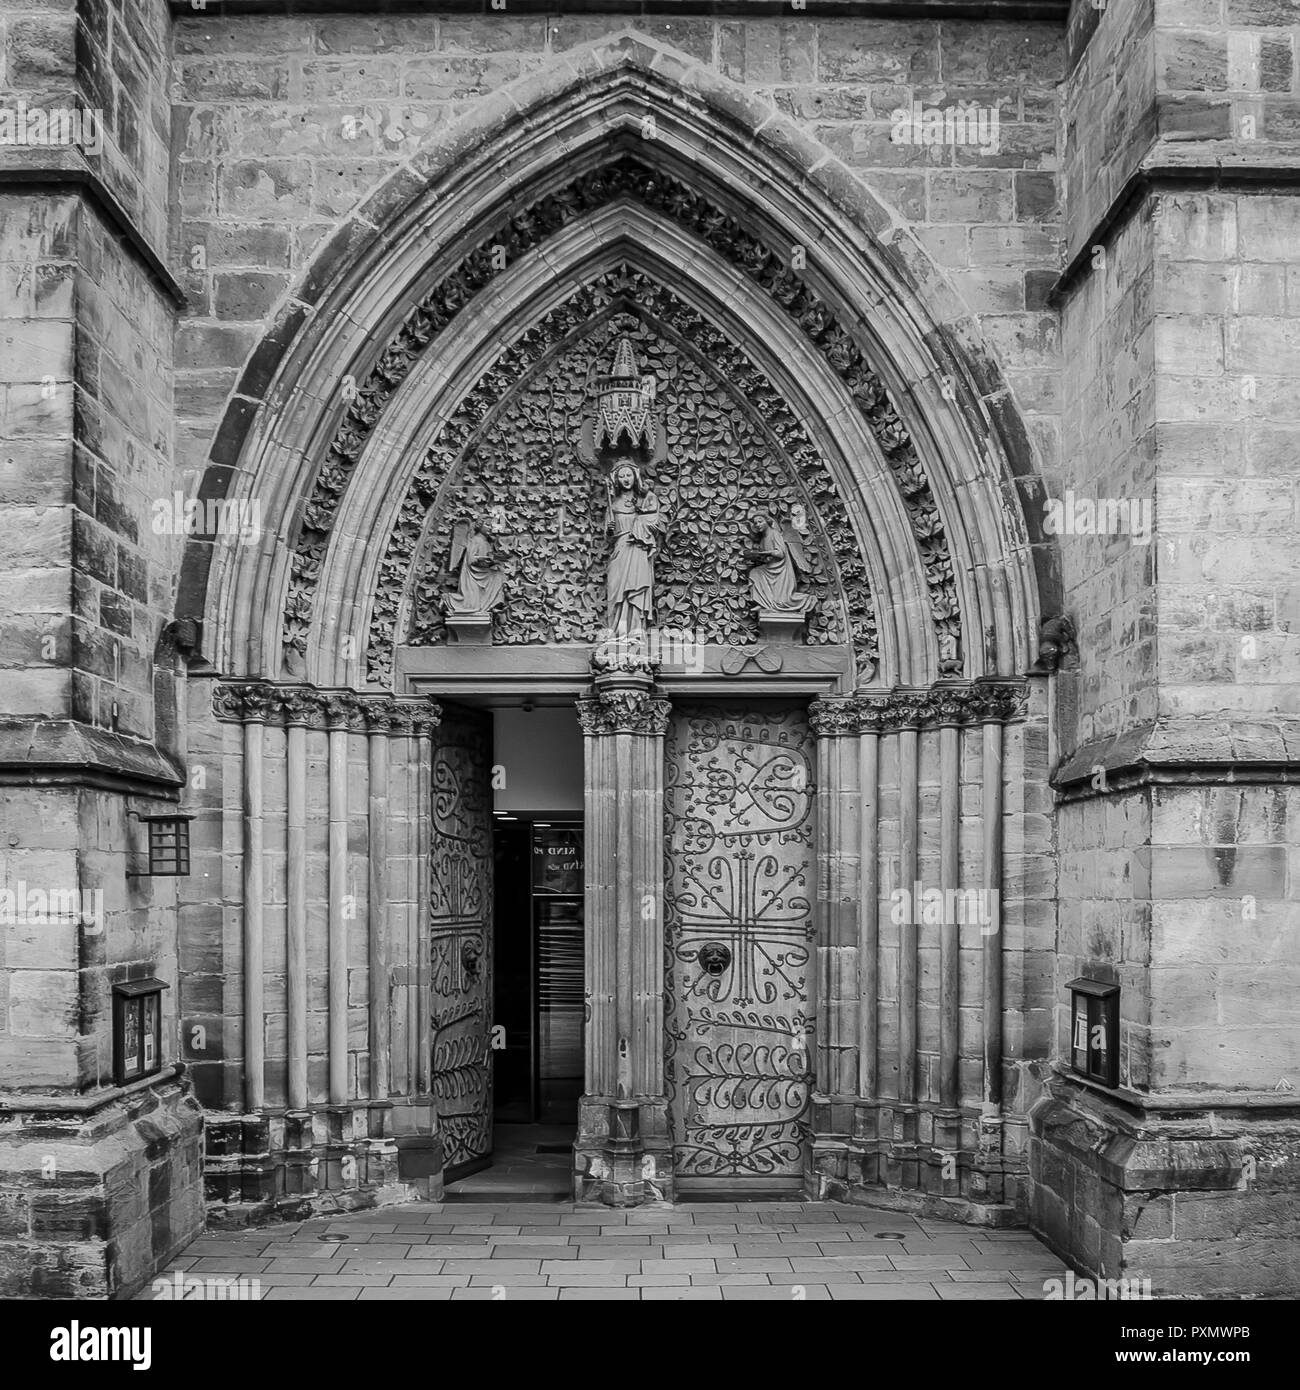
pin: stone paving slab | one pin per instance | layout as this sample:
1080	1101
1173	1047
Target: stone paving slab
693	1252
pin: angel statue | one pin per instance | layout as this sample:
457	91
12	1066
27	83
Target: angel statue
479	579
633	517
778	561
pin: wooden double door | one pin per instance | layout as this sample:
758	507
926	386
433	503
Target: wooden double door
739	885
739	882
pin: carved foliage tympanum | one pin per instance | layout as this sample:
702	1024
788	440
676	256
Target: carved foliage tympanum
524	479
523	229
510	458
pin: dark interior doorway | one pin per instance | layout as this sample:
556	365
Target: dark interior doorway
539	968
537	949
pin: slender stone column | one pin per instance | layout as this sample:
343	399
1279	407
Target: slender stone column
992	815
838	904
623	1154
419	964
380	723
950	928
301	711
911	1140
908	712
340	714
869	903
399	1024
257	707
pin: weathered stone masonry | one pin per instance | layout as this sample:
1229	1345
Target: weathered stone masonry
1105	306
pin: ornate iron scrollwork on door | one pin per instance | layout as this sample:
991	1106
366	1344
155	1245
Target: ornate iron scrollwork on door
460	890
740	854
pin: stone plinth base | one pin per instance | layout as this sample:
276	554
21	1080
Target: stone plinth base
919	1158
623	1156
473	629
94	1203
1202	1198
775	626
330	1158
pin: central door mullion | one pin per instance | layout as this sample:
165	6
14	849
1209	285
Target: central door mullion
623	1154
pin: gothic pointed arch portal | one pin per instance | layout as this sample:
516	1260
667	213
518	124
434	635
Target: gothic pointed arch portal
428	409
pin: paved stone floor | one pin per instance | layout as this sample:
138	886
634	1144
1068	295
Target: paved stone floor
552	1250
529	1162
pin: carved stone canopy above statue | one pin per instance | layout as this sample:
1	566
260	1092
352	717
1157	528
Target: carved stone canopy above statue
623	422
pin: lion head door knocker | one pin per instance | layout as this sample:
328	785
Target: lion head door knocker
471	959
714	958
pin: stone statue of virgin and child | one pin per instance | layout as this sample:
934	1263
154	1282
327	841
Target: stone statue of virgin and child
636	523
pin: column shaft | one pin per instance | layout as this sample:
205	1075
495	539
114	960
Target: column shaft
909	871
254	892
869	917
296	915
338	927
992	812
950	930
378	924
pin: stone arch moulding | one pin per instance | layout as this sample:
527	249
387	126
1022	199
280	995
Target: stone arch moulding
744	187
800	394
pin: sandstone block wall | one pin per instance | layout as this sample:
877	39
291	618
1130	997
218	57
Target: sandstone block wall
1178	835
285	125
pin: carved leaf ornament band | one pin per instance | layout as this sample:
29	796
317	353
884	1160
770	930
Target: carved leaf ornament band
527	228
982	702
256	702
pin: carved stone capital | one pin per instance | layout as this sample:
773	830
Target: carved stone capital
624	712
228	702
398	718
341	710
834	716
254	702
426	715
998	702
909	709
301	707
979	702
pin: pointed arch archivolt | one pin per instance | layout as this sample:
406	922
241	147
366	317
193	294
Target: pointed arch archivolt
861	341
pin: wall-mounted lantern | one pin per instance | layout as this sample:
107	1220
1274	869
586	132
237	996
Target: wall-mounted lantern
1094	1030
169	844
137	1029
